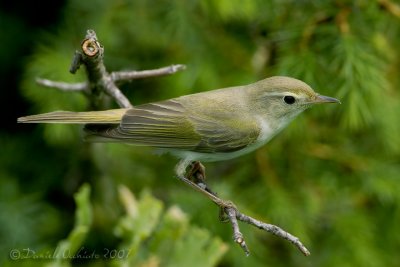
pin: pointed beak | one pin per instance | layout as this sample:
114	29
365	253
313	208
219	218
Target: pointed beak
325	99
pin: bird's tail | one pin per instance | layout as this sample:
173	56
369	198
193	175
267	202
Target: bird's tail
97	117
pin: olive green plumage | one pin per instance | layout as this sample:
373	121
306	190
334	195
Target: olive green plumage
212	125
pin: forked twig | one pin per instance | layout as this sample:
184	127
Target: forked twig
99	79
229	211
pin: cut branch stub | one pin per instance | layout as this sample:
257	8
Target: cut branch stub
91	47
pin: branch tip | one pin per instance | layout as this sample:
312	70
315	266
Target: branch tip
176	68
76	62
91	34
64	86
243	245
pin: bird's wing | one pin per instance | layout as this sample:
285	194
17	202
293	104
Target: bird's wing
168	124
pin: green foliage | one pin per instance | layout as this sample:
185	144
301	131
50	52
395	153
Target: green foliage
68	248
152	238
332	178
363	81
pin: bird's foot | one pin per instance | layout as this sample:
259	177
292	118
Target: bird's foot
223	205
197	174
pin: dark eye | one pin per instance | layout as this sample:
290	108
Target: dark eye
289	99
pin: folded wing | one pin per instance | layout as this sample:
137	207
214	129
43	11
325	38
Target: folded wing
170	125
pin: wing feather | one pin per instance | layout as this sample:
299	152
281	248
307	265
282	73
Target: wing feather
169	124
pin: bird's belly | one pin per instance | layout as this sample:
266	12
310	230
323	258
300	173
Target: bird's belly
216	156
267	132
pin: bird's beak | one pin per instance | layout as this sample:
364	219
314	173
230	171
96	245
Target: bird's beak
325	99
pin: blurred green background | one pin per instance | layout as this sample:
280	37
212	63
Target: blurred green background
332	178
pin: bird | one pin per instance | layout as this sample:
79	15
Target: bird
209	126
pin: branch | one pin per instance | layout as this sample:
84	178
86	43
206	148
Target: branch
99	80
228	210
119	76
63	86
273	229
233	215
237	235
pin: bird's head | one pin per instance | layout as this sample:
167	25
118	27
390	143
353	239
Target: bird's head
279	99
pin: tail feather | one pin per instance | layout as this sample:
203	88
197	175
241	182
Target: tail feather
112	116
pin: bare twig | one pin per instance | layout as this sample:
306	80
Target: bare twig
273	229
237	235
99	80
76	62
77	87
120	76
229	209
233	215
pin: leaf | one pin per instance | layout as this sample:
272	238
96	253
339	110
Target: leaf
67	248
153	239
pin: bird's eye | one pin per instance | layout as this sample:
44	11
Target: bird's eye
289	99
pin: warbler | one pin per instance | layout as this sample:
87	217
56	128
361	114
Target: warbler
209	126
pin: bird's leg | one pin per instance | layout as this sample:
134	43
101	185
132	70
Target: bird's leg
227	210
195	178
197	174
